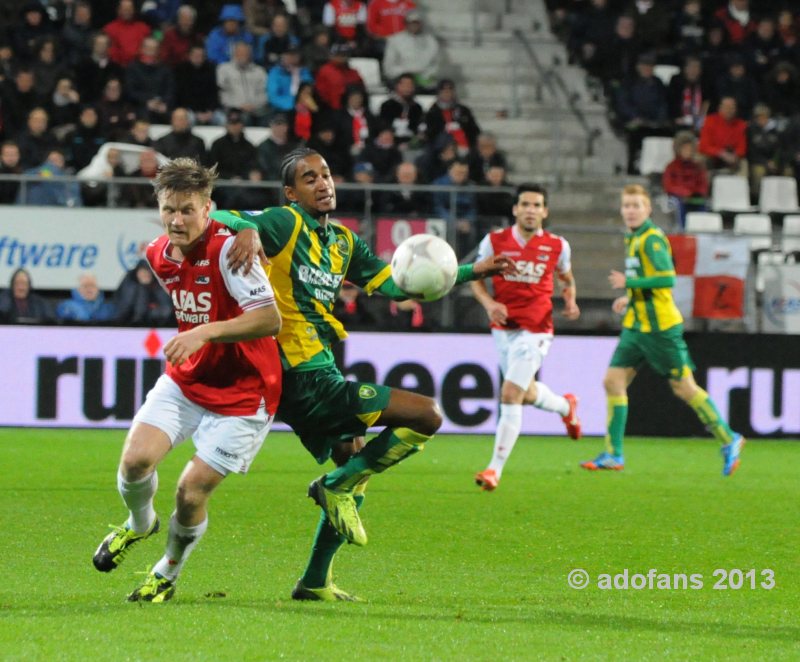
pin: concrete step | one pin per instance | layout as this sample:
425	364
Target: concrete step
446	20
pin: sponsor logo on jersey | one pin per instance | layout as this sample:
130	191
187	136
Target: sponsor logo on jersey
365	392
190	308
527	272
202	263
342	245
313	276
174	279
545	248
202	280
258	290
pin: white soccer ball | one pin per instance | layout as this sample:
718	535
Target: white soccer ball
425	267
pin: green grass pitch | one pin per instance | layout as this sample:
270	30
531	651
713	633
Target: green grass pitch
449	573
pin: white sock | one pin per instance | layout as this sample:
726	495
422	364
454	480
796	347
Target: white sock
549	401
138	496
508	428
181	540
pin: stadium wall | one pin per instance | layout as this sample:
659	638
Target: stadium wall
97	377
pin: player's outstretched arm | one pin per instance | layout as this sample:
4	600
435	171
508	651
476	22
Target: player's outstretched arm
258	323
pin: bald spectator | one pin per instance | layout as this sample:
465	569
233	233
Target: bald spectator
181	141
221	40
150	85
87	303
243	85
94	71
413	51
334	77
179	38
723	140
36	142
127	33
196	86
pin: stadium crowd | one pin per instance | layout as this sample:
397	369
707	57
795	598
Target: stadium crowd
735	94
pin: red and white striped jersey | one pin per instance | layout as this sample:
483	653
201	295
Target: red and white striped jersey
226	378
527	294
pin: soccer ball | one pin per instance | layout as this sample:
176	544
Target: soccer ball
424	267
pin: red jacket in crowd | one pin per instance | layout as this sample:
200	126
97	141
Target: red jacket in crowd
333	79
737	32
387	17
345	17
717	135
685	178
126	37
175	46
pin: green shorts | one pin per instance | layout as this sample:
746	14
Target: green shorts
323	408
664	351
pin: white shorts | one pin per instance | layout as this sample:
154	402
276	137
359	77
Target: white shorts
226	443
521	354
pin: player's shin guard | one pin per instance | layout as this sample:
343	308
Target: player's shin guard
615	423
180	543
327	542
391	446
709	416
138	497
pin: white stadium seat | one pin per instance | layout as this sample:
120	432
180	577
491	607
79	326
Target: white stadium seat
370	71
703	221
657	152
758	225
665	72
730	193
255	134
129	157
791	234
778	194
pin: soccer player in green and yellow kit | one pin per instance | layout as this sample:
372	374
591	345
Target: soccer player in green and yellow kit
310	258
652	332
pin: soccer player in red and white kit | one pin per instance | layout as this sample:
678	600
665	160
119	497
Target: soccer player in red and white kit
521	317
221	386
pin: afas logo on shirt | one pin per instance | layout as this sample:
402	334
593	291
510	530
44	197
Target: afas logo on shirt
202	263
187	302
528	272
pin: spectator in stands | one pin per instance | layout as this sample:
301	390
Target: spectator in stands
334	77
306	109
763	48
787	29
47	192
233	153
355	200
324	140
688	96
723	140
9	165
18	100
436	159
413	51
494	206
34	26
252	197
8	63
141	301
196	86
782	91
401	112
94	71
85	140
685	179
277	41
116	114
484	156
278	144
86	304
19	304
352	309
139	134
127	34
160	13
716	52
737	84
641	107
259	14
181	141
765	149
385	18
76	35
449	116
318	50
138	196
284	80
243	85
347	20
355	123
382	152
36	142
591	28
223	38
179	38
653	23
737	21
150	84
690	30
64	108
615	60
407	201
465	211
48	67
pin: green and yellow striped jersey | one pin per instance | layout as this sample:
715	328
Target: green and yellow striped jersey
308	264
649	277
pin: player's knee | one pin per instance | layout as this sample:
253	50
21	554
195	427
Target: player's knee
432	419
512	394
613	385
190	497
134	466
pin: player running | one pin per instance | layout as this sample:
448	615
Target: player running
652	333
521	317
310	258
222	383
